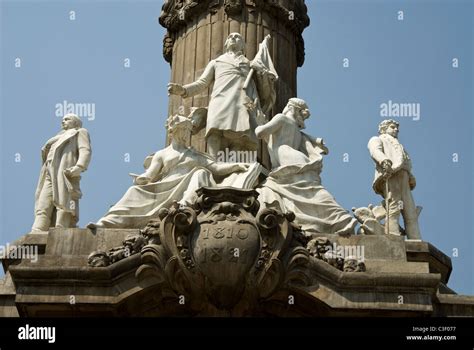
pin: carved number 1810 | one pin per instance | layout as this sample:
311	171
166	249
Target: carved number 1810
225	232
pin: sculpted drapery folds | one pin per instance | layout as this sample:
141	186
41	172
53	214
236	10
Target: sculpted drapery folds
294	184
172	175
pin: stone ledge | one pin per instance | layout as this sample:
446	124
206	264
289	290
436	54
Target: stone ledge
43	288
344	280
381	266
454	305
426	252
375	247
109	287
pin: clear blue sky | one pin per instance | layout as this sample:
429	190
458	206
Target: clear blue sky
407	61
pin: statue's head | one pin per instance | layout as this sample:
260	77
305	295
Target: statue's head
234	42
71	121
179	128
300	110
390	127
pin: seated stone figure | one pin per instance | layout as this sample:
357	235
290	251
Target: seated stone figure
172	174
294	183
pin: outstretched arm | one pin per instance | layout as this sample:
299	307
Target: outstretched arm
194	88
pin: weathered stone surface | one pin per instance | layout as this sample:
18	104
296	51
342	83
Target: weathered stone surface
454	305
6	285
8	307
7	297
381	266
181	269
292	14
45	288
386	247
220	254
425	251
62	242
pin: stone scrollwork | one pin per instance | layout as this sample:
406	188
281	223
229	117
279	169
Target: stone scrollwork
283	256
221	251
233	7
168	43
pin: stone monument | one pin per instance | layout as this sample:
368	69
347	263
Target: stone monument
195	236
394	180
197	31
237	103
65	156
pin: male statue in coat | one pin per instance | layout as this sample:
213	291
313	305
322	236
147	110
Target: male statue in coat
393	165
234	110
65	157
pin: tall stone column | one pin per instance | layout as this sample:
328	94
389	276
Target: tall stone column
197	30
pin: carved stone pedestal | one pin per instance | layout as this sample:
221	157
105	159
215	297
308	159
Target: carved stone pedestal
225	257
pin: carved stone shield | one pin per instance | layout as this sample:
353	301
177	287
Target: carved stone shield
222	254
225	251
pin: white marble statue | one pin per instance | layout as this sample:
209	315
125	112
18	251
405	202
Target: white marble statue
65	156
294	183
233	111
393	179
172	174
